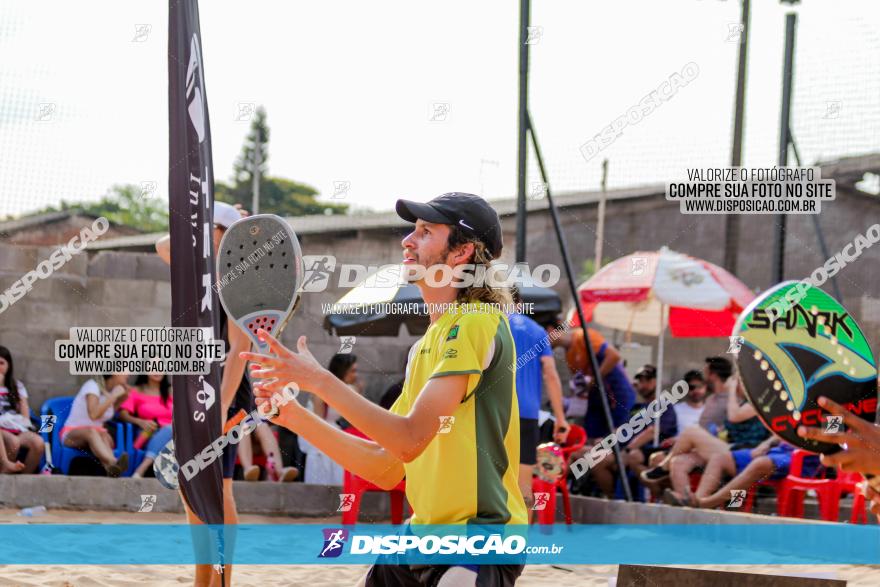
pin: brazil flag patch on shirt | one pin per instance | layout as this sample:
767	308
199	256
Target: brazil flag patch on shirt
453	333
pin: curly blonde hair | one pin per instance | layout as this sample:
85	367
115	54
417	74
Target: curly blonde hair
499	296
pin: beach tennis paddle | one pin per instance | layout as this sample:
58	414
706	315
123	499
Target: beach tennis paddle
260	276
812	348
165	467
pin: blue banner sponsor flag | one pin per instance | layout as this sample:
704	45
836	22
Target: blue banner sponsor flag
193	300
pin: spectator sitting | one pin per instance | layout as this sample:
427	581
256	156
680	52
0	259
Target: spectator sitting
268	444
697	447
92	407
16	429
149	407
619	392
769	460
638	449
689	411
715	372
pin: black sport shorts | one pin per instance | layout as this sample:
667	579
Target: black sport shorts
429	575
529	439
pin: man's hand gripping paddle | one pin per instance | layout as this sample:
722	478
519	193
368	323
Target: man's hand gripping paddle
799	344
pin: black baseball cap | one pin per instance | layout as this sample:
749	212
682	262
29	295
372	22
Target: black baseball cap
471	213
647	372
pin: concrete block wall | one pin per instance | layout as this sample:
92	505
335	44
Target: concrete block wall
117	288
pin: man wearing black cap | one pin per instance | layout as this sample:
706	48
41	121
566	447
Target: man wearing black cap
454	430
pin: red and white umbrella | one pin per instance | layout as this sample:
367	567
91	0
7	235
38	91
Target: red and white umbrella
648	291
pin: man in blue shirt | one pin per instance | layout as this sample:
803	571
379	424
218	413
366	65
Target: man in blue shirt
534	364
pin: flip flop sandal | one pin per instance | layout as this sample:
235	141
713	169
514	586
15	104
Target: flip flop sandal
252	473
288	475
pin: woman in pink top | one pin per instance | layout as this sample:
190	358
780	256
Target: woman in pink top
149	407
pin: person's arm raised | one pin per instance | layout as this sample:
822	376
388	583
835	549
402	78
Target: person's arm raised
405	437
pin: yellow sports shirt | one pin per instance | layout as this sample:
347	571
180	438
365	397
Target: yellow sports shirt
468	473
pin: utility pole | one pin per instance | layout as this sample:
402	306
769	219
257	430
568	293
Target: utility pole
731	221
522	139
784	140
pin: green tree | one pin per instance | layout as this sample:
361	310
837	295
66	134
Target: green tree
588	268
277	195
126	204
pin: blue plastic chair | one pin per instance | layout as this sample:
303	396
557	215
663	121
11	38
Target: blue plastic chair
63	456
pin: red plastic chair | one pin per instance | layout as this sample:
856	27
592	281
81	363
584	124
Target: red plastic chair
750	495
792	489
357	486
577	438
847	483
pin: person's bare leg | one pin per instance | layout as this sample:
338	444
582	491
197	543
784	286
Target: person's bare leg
717	467
603	473
525	486
94	441
758	469
695	439
635	461
246	452
142	468
13	445
7	465
680	471
269	443
230	518
204	573
35	446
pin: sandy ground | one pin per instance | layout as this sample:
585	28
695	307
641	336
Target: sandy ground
323	575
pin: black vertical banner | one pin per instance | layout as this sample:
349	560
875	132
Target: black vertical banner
193	300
